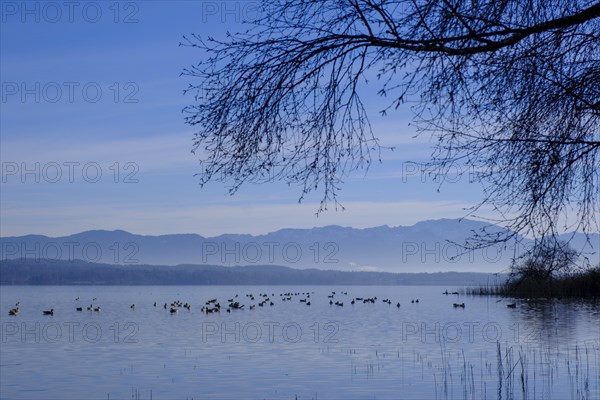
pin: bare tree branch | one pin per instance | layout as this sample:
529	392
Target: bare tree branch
510	89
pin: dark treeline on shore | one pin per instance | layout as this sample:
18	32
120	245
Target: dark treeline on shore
77	272
582	284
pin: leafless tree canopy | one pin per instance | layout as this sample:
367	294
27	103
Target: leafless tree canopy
547	260
510	88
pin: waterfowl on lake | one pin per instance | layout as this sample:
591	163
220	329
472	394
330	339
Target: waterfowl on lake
132	306
398	305
14	311
461	305
79	308
49	312
512	305
97	309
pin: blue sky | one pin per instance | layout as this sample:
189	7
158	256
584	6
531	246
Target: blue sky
92	134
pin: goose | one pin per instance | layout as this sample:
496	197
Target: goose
51	312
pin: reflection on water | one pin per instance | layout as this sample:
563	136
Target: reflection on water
428	349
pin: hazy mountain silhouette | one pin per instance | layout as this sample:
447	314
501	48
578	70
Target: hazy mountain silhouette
427	246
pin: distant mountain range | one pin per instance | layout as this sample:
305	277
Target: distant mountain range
428	246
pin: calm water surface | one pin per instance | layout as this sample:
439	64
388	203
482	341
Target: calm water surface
424	350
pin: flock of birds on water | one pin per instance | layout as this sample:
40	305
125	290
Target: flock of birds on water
213	305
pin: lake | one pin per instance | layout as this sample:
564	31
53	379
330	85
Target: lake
424	350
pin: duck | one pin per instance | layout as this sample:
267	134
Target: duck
49	312
79	308
14	311
132	306
173	310
398	305
97	309
512	305
461	305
